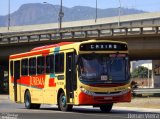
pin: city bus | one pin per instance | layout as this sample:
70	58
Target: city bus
93	72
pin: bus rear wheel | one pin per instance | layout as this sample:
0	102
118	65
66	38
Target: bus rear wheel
62	103
27	101
106	108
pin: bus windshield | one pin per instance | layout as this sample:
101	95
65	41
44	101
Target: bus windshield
100	68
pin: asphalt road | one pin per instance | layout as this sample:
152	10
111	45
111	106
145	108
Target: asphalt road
10	110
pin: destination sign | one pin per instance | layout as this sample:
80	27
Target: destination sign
103	46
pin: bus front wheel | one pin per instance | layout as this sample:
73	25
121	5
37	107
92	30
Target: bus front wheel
106	108
62	103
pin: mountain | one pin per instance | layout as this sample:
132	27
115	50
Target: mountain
37	13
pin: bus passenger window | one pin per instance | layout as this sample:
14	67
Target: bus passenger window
50	64
32	66
24	67
40	65
59	63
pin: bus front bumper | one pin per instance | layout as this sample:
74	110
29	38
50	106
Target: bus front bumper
86	98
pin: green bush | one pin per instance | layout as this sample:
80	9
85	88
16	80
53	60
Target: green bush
141	72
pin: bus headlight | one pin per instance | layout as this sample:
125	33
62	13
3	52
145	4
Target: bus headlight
86	91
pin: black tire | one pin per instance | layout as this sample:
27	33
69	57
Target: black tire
27	101
106	108
62	103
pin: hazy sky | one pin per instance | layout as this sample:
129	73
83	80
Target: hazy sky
146	5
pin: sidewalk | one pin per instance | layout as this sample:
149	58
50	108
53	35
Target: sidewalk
4	97
137	109
142	102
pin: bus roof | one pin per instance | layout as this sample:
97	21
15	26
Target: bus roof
51	46
39	50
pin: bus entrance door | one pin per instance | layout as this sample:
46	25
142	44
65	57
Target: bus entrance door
70	77
16	78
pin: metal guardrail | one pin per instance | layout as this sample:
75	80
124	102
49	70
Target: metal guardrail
146	91
139	27
54	34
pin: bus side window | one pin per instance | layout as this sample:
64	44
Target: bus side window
11	68
24	67
32	66
59	63
40	65
50	64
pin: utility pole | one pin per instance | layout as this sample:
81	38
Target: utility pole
148	77
119	13
96	12
61	14
9	15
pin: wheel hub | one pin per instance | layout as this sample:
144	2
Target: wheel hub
63	100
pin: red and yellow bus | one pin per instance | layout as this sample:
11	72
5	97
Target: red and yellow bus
94	72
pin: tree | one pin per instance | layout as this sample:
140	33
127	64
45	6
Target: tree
141	72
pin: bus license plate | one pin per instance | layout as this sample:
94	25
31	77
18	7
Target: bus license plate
104	77
108	98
